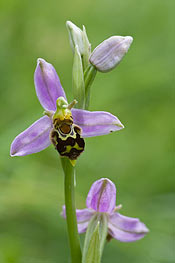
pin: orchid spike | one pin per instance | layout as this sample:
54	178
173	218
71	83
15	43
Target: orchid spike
101	199
62	125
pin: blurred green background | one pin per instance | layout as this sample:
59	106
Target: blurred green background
139	159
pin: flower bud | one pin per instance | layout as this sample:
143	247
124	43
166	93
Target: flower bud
75	36
110	52
79	38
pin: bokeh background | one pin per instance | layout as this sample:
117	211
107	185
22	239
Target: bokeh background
138	159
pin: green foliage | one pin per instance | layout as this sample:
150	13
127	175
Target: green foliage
138	158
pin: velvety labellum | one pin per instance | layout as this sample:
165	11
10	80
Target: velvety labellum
66	137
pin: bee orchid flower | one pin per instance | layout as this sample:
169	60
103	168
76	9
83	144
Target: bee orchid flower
101	201
61	125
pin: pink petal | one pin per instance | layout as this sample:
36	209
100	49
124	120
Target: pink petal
33	139
126	229
83	218
102	196
82	227
84	215
47	85
95	123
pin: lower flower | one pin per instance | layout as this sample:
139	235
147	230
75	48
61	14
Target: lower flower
101	199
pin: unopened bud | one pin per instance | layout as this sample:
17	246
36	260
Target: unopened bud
75	36
110	52
79	38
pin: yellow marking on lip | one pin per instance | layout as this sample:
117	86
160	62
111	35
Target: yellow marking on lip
73	162
69	148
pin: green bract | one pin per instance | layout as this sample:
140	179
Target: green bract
95	239
78	79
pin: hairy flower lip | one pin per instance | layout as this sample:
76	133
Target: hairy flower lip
101	200
48	89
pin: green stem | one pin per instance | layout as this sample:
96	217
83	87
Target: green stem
89	76
71	219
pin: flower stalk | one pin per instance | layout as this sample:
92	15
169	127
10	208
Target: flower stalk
74	241
89	76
